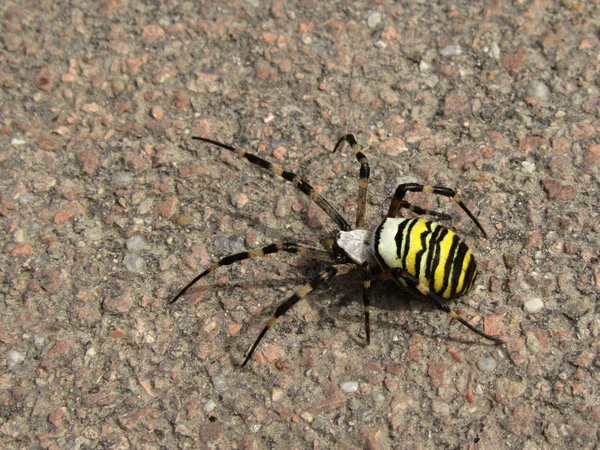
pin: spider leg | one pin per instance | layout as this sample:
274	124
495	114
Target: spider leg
363	183
402	189
306	188
413	283
367	280
317	280
418	210
289	247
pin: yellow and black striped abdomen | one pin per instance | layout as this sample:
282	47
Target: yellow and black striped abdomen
429	251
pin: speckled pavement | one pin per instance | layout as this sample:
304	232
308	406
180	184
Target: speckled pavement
107	209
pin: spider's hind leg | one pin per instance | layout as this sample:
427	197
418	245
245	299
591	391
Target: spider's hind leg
367	282
413	283
289	247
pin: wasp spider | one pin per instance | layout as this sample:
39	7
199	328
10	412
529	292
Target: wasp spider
423	257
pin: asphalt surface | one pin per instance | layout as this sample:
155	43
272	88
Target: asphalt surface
107	209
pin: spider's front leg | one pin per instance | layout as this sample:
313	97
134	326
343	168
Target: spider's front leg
363	183
301	184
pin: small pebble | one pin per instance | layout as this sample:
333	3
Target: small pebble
528	166
133	262
39	341
41	261
14	358
486	364
219	382
349	386
451	50
117	85
19	235
277	394
157	112
239	200
26	198
93	234
307	416
374	20
136	243
424	67
495	51
209	406
538	89
533	342
533	305
378	398
279	152
121	178
228	244
184	220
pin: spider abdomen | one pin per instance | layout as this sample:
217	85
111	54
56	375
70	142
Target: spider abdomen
430	252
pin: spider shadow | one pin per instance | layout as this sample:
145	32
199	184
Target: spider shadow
386	296
407	311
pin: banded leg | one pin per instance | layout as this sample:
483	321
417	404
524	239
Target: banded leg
414	283
306	188
367	280
363	183
289	247
401	190
317	280
421	211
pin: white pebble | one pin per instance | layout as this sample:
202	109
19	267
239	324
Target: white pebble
424	67
374	20
533	305
19	236
121	178
451	50
136	243
14	358
307	416
528	166
133	262
277	394
495	50
538	89
486	364
39	341
349	386
209	406
219	382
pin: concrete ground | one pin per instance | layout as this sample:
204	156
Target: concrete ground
107	209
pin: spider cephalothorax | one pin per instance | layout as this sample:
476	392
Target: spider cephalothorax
421	255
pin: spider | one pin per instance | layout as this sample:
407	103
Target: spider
422	256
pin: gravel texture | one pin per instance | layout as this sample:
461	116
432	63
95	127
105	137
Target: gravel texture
107	209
